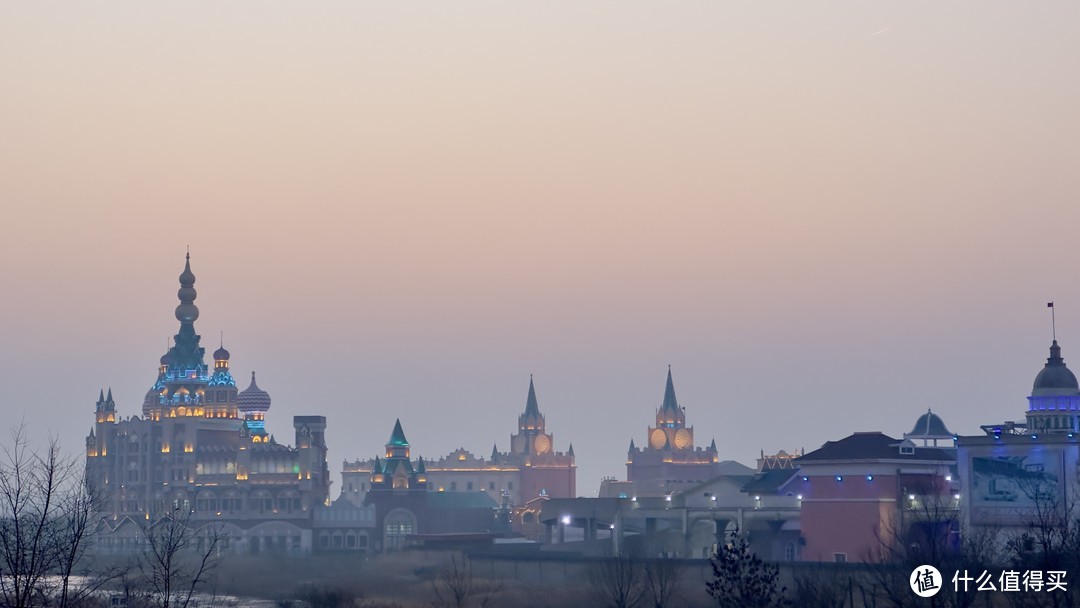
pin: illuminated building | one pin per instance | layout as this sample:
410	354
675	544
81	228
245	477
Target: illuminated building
201	446
865	493
1018	473
669	460
405	509
530	468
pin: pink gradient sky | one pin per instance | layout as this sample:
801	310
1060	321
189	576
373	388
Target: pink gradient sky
826	216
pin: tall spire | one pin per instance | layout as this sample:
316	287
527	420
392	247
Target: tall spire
397	438
531	407
186	354
670	403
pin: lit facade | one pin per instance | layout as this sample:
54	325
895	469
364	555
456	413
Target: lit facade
864	494
201	446
406	511
670	460
531	468
1016	473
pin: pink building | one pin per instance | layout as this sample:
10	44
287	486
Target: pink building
864	492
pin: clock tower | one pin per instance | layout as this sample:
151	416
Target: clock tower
670	431
669	459
531	438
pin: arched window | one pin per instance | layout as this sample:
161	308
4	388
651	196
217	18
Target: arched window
398	524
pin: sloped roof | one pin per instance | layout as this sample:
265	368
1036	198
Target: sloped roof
872	446
397	437
769	481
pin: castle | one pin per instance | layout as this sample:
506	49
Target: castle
201	448
530	468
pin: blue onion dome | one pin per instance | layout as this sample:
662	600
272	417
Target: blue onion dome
221	354
1055	379
253	398
165	359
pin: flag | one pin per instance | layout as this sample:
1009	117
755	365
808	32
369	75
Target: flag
1049	304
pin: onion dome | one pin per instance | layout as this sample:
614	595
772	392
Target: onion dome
253	398
151	400
187	312
1055	379
164	359
221	354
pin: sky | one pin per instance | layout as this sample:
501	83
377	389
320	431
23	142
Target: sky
825	216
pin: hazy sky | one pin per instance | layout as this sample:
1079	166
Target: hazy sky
826	216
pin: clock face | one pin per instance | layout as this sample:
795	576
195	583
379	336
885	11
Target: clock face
683	439
657	439
542	444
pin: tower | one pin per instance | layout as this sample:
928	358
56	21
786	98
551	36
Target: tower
183	378
1054	404
669	459
253	403
396	471
671	432
531	438
312	471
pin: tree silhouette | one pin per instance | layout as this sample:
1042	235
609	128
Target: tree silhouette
742	580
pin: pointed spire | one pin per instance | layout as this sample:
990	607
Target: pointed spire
570	452
494	452
712	446
531	407
377	468
670	403
101	396
108	398
186	353
420	467
397	438
632	447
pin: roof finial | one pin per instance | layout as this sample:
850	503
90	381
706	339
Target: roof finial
222	339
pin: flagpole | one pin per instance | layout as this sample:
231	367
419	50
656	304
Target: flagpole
1053	320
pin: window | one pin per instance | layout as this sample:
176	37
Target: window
468	486
453	486
403	528
509	485
789	552
491	485
840	558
